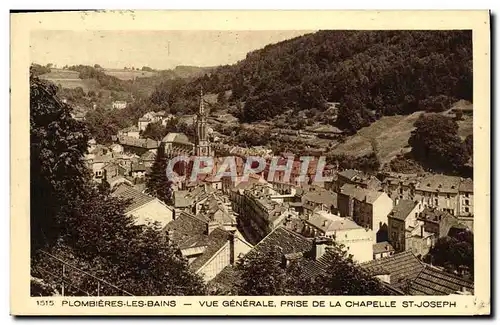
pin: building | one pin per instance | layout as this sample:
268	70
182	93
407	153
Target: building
148	158
208	247
368	208
397	270
358	241
144	208
356	177
119	104
138	171
137	146
177	144
289	244
400	186
202	144
433	281
131	131
403	224
466	202
439	191
382	249
258	212
437	222
314	198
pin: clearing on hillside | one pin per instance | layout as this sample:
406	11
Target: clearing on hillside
128	74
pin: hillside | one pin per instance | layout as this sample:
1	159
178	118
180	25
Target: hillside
370	73
69	79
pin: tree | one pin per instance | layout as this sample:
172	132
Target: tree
469	145
266	274
454	253
58	173
343	277
157	182
436	144
97	66
155	131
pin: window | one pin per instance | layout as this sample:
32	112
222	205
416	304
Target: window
467	209
98	173
466	202
401	191
436	202
466	194
447	196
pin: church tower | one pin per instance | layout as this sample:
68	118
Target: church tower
202	145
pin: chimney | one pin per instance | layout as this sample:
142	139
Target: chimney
231	247
396	201
319	246
211	226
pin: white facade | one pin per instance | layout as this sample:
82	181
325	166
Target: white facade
222	258
358	242
151	212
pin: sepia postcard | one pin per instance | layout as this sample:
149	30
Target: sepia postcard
250	163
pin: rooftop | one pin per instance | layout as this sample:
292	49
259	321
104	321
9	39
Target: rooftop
435	282
403	209
176	138
439	183
328	222
137	199
360	194
401	267
382	247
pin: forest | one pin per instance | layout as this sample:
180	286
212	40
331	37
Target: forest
371	73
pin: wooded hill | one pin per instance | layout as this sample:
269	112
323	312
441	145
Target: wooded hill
370	73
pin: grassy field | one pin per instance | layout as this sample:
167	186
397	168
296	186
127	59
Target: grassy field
128	74
69	79
390	134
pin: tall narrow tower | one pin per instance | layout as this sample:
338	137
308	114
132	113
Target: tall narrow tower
202	145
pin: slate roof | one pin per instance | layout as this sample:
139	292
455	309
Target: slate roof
349	173
360	194
402	209
137	199
148	156
287	240
466	185
184	226
176	138
321	196
439	183
190	231
435	282
401	267
138	167
328	222
141	143
382	247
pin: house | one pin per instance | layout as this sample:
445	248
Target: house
116	148
356	177
358	241
287	242
143	123
432	281
138	171
400	186
315	197
466	202
207	246
368	208
382	249
144	208
119	104
439	191
137	146
437	221
403	224
397	270
177	144
149	157
131	131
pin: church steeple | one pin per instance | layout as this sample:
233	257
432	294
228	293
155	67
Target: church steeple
202	145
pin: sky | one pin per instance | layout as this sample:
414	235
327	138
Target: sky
156	49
